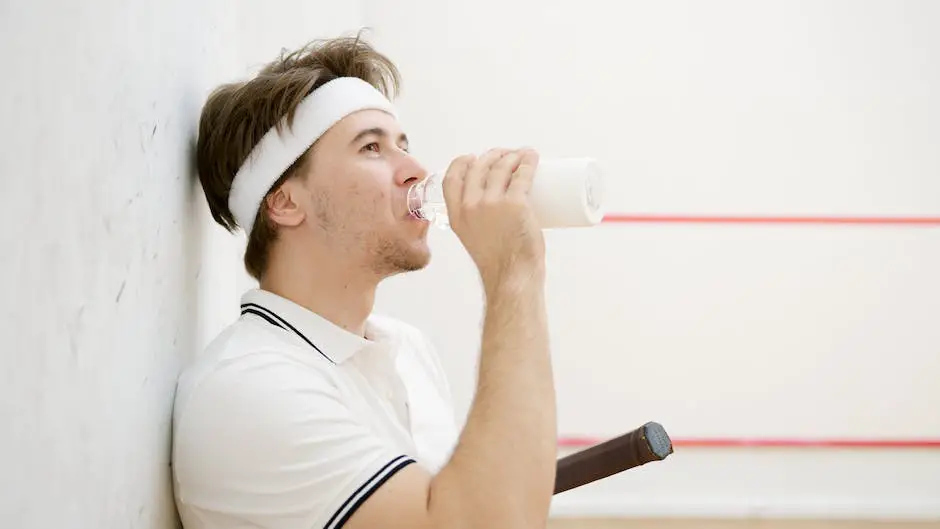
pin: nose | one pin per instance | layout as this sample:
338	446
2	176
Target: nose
410	171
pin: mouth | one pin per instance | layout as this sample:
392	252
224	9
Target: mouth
414	215
416	219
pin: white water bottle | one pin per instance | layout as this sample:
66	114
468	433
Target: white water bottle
566	193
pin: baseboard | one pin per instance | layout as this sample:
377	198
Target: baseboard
603	507
713	523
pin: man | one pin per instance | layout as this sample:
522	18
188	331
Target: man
311	412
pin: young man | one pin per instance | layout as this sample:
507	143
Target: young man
311	412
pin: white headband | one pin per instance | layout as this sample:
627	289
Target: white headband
268	160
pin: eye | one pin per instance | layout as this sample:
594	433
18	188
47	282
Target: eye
374	147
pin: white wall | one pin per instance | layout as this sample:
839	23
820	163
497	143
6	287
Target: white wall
723	107
107	250
115	276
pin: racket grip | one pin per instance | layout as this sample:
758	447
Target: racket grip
647	443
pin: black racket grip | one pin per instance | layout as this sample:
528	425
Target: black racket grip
647	443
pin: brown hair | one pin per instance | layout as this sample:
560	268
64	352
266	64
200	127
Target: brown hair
237	115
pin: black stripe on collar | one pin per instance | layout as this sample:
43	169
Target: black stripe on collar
271	316
269	319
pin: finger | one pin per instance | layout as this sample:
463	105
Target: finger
497	180
453	183
474	181
521	181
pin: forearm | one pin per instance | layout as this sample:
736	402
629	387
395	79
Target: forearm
502	471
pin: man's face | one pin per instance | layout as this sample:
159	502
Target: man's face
358	178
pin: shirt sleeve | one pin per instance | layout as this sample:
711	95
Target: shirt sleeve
271	442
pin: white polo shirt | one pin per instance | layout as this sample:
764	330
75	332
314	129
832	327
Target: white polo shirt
288	421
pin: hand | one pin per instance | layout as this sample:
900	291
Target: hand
488	209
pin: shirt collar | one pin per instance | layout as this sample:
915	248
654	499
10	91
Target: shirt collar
328	339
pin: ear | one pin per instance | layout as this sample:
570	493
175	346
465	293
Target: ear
284	206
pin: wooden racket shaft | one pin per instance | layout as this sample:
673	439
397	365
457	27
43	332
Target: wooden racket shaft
647	443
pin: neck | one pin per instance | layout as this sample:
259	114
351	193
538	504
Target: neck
336	290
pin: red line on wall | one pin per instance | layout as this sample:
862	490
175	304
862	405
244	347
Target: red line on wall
583	442
768	219
731	442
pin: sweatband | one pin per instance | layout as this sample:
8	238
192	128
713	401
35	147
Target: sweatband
276	151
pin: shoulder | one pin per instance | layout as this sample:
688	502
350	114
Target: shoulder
253	416
239	389
245	362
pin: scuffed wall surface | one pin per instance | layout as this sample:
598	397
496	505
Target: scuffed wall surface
113	274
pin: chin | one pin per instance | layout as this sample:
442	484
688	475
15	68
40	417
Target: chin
404	258
417	259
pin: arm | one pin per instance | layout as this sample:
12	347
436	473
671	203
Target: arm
502	471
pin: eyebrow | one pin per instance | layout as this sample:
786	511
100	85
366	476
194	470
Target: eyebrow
380	132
